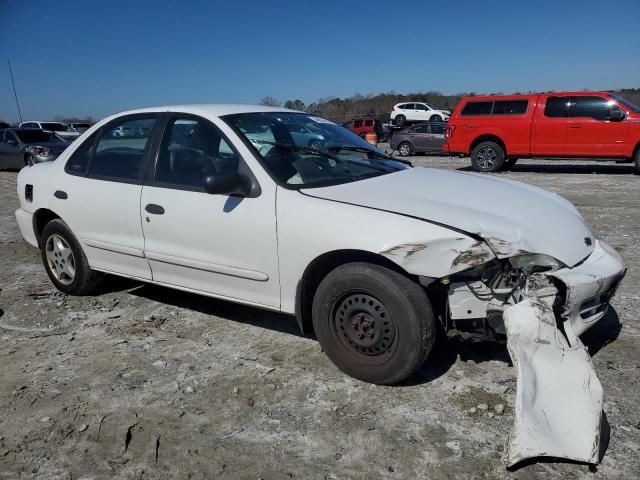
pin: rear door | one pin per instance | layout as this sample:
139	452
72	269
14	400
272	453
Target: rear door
99	196
217	244
419	136
435	138
549	130
590	129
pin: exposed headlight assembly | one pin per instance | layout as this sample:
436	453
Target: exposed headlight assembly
535	262
38	151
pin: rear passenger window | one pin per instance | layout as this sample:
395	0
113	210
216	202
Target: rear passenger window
193	149
477	108
556	107
509	107
79	160
437	128
368	123
421	128
119	153
357	123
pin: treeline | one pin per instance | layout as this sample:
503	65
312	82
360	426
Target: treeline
379	106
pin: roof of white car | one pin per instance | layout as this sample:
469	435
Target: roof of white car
213	109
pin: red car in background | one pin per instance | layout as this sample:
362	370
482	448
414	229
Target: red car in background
496	130
362	126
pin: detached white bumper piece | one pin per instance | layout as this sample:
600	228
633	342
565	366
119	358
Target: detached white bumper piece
559	397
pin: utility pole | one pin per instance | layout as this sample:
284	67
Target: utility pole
14	91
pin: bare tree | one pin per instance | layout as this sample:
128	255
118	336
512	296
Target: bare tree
270	101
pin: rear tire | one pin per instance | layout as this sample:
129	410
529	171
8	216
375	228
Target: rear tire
65	261
405	149
637	162
487	157
401	120
373	323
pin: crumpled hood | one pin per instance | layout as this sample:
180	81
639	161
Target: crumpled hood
512	217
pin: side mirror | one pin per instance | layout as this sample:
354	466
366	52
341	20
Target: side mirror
616	115
227	184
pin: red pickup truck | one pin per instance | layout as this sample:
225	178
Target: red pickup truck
496	130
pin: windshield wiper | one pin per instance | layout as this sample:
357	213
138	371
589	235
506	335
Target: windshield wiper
299	148
351	148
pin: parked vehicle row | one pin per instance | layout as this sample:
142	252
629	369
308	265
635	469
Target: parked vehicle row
62	129
25	146
498	130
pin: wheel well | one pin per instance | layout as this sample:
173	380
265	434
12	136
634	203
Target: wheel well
40	219
488	138
320	268
635	152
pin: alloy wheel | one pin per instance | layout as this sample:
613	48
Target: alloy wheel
60	259
486	158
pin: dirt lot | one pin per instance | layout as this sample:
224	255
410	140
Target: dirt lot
144	382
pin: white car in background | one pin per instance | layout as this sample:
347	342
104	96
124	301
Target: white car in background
411	112
372	254
61	129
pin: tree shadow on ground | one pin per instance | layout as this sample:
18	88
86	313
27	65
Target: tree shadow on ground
595	167
220	308
446	350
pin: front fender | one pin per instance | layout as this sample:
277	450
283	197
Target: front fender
310	227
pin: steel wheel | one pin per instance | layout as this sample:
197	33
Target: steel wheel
60	259
364	327
486	157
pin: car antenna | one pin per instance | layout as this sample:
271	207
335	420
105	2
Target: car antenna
14	91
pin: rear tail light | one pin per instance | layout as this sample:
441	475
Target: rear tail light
448	133
28	193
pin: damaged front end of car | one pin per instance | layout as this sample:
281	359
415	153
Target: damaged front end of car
542	306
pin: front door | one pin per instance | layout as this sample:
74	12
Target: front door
99	197
11	155
591	131
217	244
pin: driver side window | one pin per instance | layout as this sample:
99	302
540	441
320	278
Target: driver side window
192	149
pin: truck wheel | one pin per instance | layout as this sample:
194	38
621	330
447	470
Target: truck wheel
638	162
435	118
373	323
487	157
64	260
401	120
405	149
509	163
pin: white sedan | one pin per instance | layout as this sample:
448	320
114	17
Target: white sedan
372	254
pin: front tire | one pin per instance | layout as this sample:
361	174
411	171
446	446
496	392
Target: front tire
487	157
373	323
435	118
401	120
637	163
65	261
405	149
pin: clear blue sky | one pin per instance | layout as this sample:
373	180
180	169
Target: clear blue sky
99	57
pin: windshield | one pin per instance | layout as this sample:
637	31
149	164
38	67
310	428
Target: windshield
54	127
626	103
305	151
36	136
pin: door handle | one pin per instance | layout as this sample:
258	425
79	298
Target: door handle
154	209
574	125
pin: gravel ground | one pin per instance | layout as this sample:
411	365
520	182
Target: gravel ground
145	382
